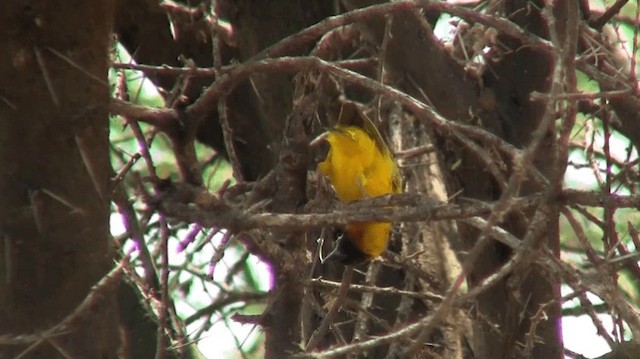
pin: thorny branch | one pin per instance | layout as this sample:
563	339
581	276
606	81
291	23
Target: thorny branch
197	206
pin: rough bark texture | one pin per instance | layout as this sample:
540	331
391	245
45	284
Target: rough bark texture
423	174
54	178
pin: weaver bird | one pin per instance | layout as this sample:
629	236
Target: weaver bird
359	165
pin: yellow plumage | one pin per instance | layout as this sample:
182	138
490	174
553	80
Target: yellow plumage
359	165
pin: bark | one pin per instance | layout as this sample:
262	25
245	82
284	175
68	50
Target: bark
54	178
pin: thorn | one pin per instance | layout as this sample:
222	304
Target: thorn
64	201
36	202
125	169
76	66
9	103
91	168
45	75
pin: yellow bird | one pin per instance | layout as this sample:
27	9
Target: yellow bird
359	165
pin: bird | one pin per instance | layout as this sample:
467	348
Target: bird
359	165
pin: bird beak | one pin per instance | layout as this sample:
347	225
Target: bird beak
318	140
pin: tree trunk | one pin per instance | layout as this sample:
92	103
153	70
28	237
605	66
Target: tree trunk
54	177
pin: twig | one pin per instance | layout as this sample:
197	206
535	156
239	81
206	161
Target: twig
333	311
218	253
125	169
368	344
582	237
633	77
226	299
223	115
406	208
582	95
423	295
362	322
608	14
286	45
133	228
163	118
161	345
